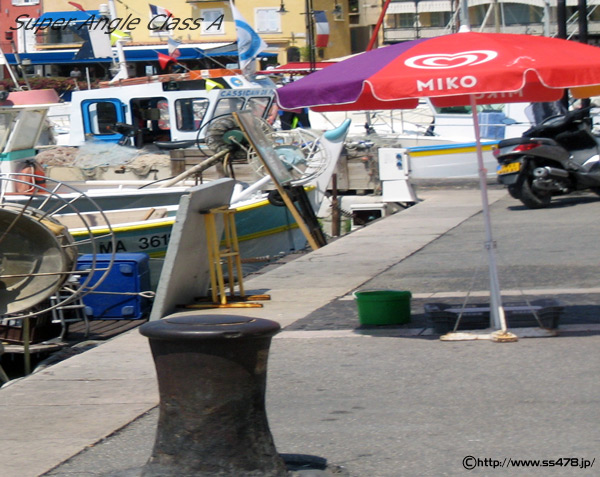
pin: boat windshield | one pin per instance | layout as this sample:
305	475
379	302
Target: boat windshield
6	123
228	106
258	105
20	127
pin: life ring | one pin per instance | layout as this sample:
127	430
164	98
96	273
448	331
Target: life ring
33	182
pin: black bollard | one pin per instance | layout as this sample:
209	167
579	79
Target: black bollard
212	372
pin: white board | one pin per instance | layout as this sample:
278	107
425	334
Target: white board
186	274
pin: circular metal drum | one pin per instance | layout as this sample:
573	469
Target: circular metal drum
36	256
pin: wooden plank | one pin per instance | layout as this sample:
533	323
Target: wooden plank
343	178
33	348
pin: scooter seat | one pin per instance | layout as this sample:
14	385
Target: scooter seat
576	141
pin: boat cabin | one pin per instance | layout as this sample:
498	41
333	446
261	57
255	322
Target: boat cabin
167	108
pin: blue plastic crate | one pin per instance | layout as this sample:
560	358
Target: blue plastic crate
130	273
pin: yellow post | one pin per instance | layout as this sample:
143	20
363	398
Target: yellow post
216	273
234	246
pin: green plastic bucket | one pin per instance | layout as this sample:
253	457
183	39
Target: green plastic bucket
383	307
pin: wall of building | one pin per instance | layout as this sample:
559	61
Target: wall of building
10	10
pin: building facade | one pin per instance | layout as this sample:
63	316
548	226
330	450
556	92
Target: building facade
48	38
410	19
10	10
206	31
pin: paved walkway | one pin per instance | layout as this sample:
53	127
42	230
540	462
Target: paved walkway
377	402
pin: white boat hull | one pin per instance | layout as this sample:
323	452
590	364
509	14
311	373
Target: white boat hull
450	161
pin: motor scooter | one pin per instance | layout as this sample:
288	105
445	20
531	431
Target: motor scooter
556	157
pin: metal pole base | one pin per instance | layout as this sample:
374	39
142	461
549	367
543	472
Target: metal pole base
499	336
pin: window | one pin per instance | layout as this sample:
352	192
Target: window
438	19
519	14
338	12
268	20
213	21
55	36
293	54
150	113
190	112
258	106
25	2
512	14
228	106
405	20
163	115
103	117
477	14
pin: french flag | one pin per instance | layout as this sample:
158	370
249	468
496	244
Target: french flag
321	29
155	11
173	47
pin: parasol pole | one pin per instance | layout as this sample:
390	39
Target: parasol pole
497	317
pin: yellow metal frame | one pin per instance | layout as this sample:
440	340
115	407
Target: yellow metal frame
216	254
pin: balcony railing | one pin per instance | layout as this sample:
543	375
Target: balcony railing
395	35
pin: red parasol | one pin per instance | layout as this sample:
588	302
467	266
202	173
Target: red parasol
464	68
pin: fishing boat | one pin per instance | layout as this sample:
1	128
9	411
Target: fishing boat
164	108
155	114
435	143
125	130
131	219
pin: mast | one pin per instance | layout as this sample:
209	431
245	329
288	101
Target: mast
583	36
310	31
561	20
122	63
378	26
465	24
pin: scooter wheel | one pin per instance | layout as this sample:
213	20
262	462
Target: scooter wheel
515	191
533	199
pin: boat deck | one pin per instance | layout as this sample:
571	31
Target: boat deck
99	330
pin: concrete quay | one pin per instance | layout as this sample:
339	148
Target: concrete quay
387	401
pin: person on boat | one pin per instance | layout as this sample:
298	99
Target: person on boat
294	118
75	73
273	114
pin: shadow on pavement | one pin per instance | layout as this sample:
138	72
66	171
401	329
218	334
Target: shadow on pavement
343	315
